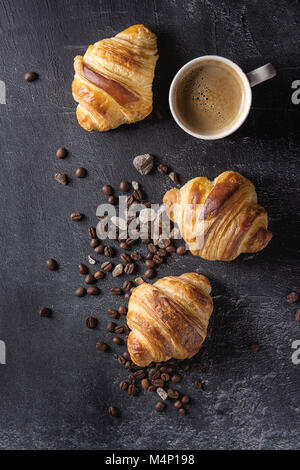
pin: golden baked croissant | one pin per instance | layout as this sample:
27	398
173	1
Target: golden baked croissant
113	81
232	221
169	318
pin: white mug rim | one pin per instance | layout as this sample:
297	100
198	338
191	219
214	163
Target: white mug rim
244	114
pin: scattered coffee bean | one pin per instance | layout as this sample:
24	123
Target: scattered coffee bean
126	355
121	360
76	216
254	347
152	248
136	256
182	411
61	178
185	366
112	200
185	399
154	373
174	177
178	404
118	270
102	346
122	310
162	393
181	250
163	169
138	194
80	292
93	290
127	296
116	291
124	186
292	297
92	232
157	259
119	329
30	76
297	315
80	173
132	390
107	266
99	250
109	251
139	374
171	249
125	258
89	279
118	341
176	378
113	313
94	242
123	385
61	152
158	382
198	384
124	246
160	406
145	384
150	273
139	280
129	268
173	393
130	241
143	163
91	322
91	260
110	327
51	264
113	411
99	275
107	190
165	377
130	200
128	285
45	312
83	269
197	366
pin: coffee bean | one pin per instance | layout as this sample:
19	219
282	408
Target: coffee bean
158	382
136	256
171	249
123	385
185	366
92	232
128	366
152	248
173	393
150	273
80	292
45	312
130	241
99	249
117	340
145	384
125	258
113	411
130	200
178	404
124	186
154	373
83	269
161	252
129	268
181	411
198	384
127	296
107	266
80	173
197	367
102	346
110	327
162	393
165	377
119	329
61	178
138	194
292	297
121	360
158	259
181	250
160	406
118	270
61	152
122	310
91	322
174	177
132	390
99	275
51	264
107	189
149	256
116	291
297	315
89	279
30	76
76	216
176	378
93	290
113	313
124	246
109	251
128	285
126	355
164	242
185	399
163	169
254	347
139	374
94	242
143	163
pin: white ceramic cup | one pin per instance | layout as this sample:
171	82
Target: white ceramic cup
249	80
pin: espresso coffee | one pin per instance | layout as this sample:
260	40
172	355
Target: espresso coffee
210	97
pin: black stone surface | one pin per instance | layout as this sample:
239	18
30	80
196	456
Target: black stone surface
56	388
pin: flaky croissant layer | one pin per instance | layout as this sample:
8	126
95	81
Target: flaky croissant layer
220	219
113	80
169	318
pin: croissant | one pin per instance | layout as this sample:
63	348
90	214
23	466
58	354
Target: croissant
219	219
169	318
113	81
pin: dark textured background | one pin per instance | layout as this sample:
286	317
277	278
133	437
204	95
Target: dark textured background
55	388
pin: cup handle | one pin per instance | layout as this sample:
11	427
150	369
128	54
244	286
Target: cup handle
261	74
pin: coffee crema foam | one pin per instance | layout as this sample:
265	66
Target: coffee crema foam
210	97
